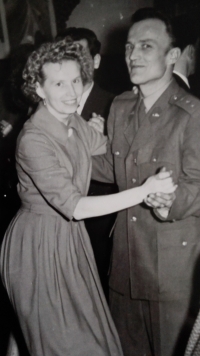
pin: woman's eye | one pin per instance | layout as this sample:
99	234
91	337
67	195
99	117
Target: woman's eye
77	80
59	84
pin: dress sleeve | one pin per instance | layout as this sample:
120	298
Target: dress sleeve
98	142
38	159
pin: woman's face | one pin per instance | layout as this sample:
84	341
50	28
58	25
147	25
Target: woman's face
62	88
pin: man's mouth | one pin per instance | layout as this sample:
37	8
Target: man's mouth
136	66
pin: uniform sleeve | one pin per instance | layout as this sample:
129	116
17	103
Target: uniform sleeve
37	157
187	202
102	166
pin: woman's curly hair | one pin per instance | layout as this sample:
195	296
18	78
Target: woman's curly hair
54	53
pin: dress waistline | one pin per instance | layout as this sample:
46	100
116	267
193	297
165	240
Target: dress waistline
39	209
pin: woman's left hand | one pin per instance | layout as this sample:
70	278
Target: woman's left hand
97	122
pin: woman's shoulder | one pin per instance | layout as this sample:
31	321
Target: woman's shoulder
31	139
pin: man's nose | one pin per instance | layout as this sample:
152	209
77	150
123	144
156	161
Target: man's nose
134	54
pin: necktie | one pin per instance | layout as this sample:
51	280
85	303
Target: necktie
141	113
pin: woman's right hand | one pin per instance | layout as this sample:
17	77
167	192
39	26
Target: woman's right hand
161	182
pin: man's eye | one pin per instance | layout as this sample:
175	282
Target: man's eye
145	46
129	47
59	84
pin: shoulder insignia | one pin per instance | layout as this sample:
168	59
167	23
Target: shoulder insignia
187	102
127	95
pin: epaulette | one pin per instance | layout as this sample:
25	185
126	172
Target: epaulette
127	95
187	102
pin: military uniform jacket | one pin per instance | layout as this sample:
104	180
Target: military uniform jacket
159	257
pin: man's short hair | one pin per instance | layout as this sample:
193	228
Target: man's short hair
147	13
80	33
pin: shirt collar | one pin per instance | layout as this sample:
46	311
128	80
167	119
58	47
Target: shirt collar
84	98
183	77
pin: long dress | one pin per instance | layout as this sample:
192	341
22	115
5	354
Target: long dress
47	263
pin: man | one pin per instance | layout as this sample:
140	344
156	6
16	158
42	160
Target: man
95	102
185	66
154	289
187	39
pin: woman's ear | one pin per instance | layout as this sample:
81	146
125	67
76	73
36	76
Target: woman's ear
39	90
173	55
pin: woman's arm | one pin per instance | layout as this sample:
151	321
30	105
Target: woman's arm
101	205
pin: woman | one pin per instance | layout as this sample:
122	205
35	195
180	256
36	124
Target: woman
47	262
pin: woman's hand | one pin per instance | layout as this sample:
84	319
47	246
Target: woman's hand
97	122
161	182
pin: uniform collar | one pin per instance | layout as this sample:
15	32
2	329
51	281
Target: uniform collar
150	100
48	123
163	101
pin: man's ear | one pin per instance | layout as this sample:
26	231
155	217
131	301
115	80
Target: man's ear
39	91
173	55
97	60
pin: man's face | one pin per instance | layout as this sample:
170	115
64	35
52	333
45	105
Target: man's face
83	42
147	47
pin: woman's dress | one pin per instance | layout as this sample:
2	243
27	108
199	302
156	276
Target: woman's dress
47	262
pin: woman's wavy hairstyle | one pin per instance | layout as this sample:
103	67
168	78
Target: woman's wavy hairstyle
54	53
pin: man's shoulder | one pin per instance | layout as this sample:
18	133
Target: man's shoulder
127	96
187	102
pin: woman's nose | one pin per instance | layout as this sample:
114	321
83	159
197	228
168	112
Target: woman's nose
70	90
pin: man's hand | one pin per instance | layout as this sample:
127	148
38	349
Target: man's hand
97	122
160	200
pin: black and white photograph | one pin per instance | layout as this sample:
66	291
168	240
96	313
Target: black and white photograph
99	178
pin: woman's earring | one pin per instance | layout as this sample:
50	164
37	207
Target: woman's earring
44	102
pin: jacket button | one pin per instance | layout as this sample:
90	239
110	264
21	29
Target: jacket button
154	159
184	243
117	153
133	219
135	160
133	180
175	97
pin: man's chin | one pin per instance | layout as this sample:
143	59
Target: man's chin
135	80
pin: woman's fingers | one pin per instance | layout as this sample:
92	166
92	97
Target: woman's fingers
163	175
